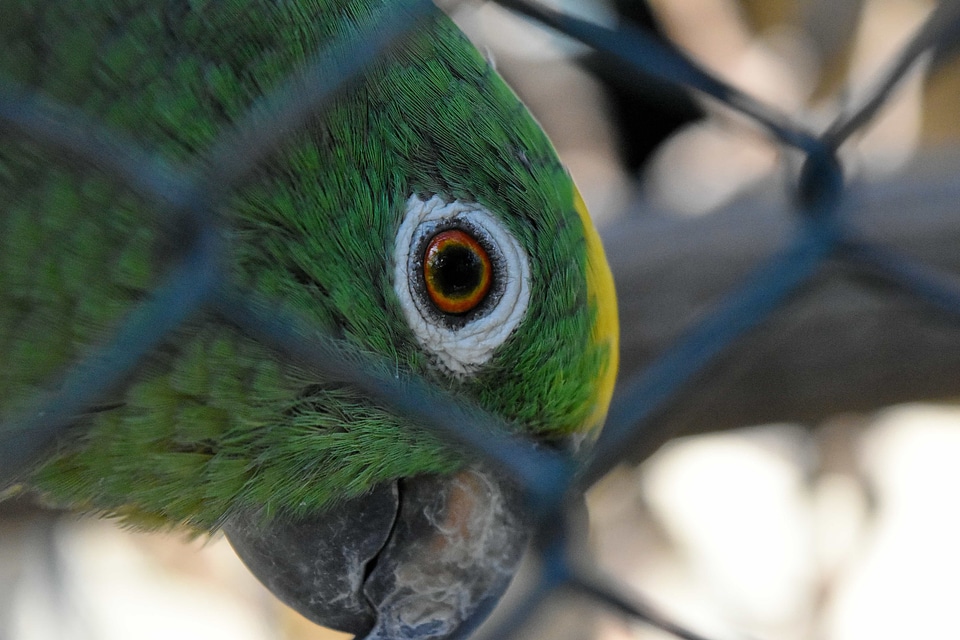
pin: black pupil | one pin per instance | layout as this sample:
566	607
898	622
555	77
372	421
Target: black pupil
457	271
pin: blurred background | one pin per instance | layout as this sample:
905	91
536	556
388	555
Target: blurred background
840	528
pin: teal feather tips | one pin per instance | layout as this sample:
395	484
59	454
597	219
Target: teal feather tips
214	421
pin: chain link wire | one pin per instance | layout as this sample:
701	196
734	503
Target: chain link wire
551	480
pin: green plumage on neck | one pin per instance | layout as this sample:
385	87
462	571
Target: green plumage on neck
214	421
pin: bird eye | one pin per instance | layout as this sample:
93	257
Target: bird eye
457	272
462	279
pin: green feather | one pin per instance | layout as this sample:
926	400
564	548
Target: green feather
214	421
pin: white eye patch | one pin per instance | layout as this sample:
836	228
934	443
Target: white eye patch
462	278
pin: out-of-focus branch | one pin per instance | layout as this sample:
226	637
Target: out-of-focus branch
848	342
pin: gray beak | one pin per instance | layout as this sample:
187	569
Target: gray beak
423	558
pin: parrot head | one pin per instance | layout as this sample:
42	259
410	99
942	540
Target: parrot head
423	218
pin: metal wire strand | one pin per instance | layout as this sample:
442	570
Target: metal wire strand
29	115
938	289
646	53
636	404
545	475
307	92
607	593
937	33
186	288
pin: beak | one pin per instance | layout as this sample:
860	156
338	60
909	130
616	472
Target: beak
422	558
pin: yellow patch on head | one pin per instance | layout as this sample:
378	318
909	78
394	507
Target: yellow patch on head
606	326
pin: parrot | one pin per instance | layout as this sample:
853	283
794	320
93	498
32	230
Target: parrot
422	217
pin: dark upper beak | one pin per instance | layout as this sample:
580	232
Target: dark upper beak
425	557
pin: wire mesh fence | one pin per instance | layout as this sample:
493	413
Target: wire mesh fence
551	481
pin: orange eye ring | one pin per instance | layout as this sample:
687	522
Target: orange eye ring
457	271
